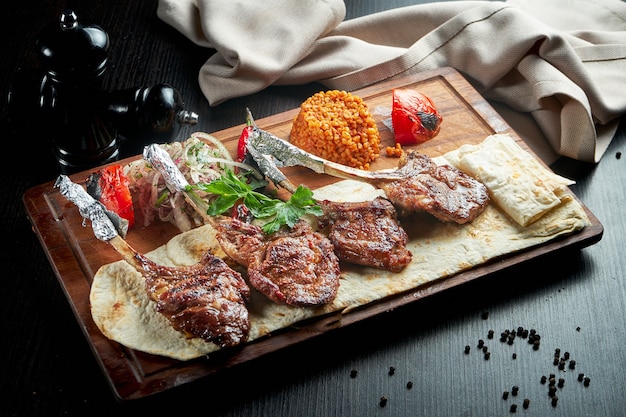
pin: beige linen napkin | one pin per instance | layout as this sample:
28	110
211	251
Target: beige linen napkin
555	66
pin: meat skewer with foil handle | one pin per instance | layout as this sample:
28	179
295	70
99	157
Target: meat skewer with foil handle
295	266
205	300
418	184
364	233
269	152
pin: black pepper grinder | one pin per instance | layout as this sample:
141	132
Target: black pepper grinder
74	59
88	126
144	115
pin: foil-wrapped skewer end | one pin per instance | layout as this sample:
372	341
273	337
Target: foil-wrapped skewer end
163	163
106	224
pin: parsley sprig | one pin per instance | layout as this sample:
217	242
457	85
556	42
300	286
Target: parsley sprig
230	189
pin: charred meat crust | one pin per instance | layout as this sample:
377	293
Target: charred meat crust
294	266
366	233
443	191
205	300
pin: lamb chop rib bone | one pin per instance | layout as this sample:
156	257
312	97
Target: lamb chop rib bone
270	152
174	179
103	227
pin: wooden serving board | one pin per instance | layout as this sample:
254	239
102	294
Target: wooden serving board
75	254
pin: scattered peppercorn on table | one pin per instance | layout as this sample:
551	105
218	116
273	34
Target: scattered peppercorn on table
531	339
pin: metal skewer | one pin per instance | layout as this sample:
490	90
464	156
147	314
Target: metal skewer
271	152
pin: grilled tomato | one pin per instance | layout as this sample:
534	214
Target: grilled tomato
414	117
109	185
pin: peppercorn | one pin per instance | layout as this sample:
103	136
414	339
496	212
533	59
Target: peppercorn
555	399
505	395
513	408
566	355
543	379
490	334
392	370
587	381
557	352
514	356
487	355
485	349
581	377
353	373
383	401
514	390
526	403
481	342
467	349
409	385
572	364
561	382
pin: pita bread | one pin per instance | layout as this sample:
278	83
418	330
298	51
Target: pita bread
517	182
122	311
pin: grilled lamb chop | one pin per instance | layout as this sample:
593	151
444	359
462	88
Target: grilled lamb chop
205	300
443	191
366	233
294	266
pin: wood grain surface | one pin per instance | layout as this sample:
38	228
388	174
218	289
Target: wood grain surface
76	254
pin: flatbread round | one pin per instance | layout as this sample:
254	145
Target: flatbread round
123	312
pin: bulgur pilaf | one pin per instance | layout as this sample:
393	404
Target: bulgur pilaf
337	125
394	151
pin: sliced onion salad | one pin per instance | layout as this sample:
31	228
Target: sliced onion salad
201	158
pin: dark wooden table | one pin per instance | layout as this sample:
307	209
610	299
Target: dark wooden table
576	300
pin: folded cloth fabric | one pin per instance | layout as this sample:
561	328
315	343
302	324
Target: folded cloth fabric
560	62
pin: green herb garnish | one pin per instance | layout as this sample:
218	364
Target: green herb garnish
229	189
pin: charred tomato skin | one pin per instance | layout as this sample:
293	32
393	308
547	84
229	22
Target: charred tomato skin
110	186
414	117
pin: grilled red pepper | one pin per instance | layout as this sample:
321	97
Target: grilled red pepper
242	151
414	117
243	141
109	185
